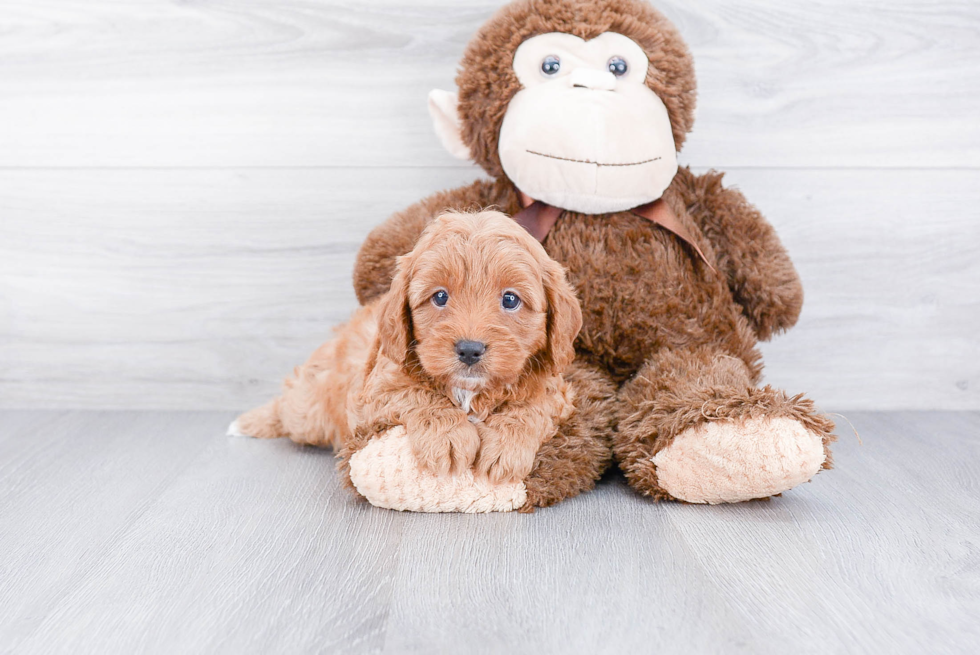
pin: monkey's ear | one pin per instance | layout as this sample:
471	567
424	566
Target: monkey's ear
445	118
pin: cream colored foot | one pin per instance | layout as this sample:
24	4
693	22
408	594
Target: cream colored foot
386	474
731	461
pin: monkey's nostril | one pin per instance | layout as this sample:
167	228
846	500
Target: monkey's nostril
470	352
579	86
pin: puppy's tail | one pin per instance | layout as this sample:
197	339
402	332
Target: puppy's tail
262	422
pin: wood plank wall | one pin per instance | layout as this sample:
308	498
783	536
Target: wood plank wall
183	185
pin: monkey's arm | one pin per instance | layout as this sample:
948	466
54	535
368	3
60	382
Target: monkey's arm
759	271
375	263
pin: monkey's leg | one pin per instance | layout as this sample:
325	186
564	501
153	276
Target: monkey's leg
571	461
692	427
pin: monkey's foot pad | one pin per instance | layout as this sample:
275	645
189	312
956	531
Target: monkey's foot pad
732	461
385	472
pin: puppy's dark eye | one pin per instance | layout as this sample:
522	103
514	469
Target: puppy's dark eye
510	301
440	298
550	65
618	66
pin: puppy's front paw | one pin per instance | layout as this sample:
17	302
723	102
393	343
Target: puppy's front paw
502	462
447	450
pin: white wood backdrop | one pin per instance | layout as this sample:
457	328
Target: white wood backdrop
183	185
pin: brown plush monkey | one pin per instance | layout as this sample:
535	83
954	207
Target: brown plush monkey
576	109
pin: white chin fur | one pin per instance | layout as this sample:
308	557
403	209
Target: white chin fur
464	398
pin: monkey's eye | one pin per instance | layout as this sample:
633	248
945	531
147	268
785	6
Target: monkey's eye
440	298
510	301
618	66
550	65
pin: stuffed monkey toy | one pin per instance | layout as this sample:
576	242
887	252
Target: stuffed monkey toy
576	109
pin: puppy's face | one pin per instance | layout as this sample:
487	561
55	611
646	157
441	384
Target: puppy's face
475	301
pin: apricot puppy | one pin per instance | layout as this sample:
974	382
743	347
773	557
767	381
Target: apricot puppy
465	351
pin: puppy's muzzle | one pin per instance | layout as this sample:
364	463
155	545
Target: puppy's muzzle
470	352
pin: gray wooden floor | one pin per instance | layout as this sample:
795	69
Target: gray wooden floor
152	532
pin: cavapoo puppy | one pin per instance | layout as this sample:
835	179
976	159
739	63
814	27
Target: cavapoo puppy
465	351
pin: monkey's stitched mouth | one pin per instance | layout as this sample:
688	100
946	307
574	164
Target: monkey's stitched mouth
586	161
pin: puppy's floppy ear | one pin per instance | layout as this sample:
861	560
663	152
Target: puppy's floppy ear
395	335
564	318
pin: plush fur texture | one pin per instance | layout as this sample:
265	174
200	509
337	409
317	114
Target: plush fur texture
487	81
396	364
676	341
385	472
727	462
622	154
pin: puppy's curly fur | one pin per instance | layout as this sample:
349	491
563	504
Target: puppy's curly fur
396	362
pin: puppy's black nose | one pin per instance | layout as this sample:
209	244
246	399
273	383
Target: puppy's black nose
470	352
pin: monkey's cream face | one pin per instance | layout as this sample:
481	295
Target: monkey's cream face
585	133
